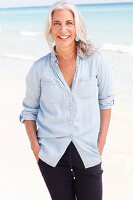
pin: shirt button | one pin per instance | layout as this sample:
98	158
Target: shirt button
74	177
71	122
78	149
71	170
70	107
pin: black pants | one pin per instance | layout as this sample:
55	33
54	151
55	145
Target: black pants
69	180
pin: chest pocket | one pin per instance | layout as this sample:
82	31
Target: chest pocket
52	92
87	88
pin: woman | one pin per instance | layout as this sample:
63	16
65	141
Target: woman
67	108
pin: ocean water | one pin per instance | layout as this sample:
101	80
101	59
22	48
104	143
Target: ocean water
109	26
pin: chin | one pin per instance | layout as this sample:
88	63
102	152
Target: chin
65	44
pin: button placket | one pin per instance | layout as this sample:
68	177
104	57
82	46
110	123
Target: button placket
70	109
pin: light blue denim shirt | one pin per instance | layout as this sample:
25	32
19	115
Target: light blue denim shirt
65	114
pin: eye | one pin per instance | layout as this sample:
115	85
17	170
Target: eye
56	23
69	23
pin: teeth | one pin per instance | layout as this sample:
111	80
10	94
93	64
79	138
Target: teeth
63	37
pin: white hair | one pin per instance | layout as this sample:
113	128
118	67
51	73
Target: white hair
84	46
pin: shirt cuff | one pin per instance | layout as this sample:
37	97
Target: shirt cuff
106	103
27	117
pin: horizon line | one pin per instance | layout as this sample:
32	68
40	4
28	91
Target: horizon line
78	4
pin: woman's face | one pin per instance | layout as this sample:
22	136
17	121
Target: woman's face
63	28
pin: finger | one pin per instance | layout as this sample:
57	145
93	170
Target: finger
37	158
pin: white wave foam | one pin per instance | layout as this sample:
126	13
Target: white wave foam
28	33
110	47
118	48
22	57
22	33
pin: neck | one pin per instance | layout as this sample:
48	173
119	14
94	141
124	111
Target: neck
66	53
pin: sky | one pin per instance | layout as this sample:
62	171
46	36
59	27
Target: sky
27	3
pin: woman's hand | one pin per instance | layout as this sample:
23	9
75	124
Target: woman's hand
35	148
100	147
31	130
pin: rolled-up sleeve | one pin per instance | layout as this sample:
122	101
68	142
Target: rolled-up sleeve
105	84
32	96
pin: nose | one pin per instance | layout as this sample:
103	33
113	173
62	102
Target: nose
63	28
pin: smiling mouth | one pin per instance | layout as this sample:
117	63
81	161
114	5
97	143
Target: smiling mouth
64	37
